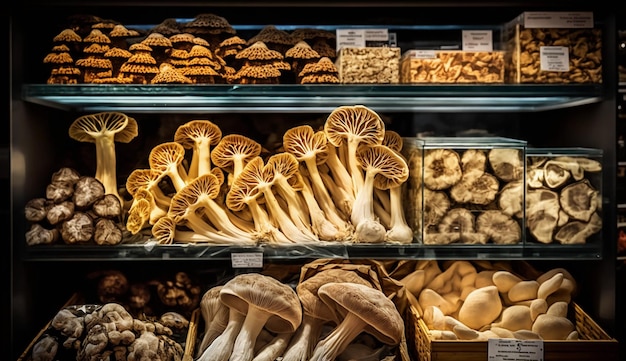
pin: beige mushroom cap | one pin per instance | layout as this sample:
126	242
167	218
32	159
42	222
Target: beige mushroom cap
266	293
369	304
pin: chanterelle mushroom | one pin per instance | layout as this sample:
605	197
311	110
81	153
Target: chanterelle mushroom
104	129
361	309
267	303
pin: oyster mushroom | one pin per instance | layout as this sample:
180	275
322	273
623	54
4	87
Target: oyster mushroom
104	130
359	308
265	302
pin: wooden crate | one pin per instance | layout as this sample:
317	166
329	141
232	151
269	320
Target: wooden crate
77	299
593	342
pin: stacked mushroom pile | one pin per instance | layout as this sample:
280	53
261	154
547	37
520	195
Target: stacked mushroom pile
96	53
450	186
563	200
334	312
463	302
108	331
75	210
341	183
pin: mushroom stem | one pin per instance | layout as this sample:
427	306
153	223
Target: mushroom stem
221	348
106	164
399	230
304	340
252	326
337	341
363	216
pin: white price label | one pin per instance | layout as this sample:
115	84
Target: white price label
554	58
422	54
477	40
558	19
247	260
514	350
350	38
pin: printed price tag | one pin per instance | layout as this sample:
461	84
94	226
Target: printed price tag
247	260
422	54
477	40
554	58
499	349
350	38
357	38
558	19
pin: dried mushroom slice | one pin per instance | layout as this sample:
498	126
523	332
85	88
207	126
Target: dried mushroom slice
534	177
542	214
579	200
507	163
36	209
482	190
107	232
556	174
456	223
578	232
442	168
511	199
587	164
78	229
436	205
500	228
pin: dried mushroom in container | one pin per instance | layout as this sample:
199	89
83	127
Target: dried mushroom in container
465	190
564	195
465	67
543	48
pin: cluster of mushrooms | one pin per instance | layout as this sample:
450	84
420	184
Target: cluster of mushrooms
109	332
338	312
123	319
462	300
203	50
338	184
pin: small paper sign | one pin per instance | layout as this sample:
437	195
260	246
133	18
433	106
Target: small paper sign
477	40
558	19
358	38
554	58
422	54
500	349
247	260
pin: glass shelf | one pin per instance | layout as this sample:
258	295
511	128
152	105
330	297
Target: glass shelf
152	251
311	98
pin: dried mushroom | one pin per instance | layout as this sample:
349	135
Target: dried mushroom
542	214
507	163
274	38
501	228
78	229
38	234
578	232
107	232
168	74
36	209
300	55
442	168
160	46
210	27
579	200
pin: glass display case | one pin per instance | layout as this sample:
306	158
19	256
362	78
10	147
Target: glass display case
553	116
